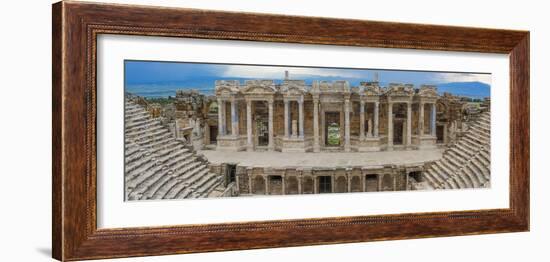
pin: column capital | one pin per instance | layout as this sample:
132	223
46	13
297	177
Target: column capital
315	97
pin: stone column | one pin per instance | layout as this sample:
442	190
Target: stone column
224	114
315	185
421	120
347	145
406	180
266	179
316	147
220	117
286	119
234	118
369	130
249	143
348	179
299	184
433	120
390	125
301	117
283	189
249	172
376	117
271	145
362	121
409	124
237	182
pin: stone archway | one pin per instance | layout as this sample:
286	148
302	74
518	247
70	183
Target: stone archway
387	182
259	185
371	183
291	185
341	184
307	185
356	184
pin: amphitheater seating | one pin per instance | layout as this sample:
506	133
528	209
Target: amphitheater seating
466	163
158	166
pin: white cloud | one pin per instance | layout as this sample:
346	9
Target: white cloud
279	72
463	77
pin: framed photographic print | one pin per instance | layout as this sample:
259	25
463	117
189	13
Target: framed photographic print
182	130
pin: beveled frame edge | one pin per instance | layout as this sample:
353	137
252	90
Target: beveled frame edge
75	27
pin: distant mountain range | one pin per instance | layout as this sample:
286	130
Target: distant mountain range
469	89
205	85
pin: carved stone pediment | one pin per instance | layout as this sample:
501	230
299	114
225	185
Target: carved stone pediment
294	87
369	89
336	86
227	87
224	91
259	87
427	91
400	90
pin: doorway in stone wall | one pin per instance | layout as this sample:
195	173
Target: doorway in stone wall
398	132
275	185
213	134
261	116
332	129
439	132
230	174
325	184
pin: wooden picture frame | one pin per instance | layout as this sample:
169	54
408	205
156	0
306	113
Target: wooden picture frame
76	26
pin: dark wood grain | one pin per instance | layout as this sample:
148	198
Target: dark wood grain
75	29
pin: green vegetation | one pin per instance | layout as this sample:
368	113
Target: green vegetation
161	100
333	134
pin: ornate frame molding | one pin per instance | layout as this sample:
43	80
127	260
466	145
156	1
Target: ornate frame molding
76	26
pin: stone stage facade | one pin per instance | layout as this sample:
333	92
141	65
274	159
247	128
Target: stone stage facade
326	116
263	137
275	173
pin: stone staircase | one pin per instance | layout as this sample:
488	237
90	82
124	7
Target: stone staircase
157	166
466	163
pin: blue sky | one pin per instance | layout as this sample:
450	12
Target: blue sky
163	78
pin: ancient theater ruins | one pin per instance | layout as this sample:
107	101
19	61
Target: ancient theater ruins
285	137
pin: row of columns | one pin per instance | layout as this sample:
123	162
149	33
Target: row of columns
409	122
222	129
222	126
287	118
347	107
371	131
432	119
315	180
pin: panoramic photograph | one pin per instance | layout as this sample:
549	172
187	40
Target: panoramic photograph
206	130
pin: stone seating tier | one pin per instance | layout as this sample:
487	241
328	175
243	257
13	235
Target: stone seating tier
466	163
158	166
